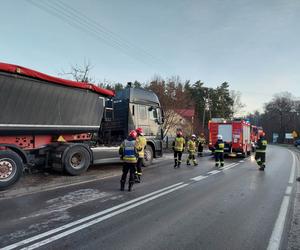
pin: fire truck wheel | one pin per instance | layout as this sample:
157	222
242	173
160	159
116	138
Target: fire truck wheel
77	160
147	161
11	168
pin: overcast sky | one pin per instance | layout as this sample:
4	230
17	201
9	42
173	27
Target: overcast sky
252	44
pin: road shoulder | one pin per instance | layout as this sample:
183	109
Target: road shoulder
294	232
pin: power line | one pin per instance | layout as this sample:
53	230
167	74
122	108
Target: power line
106	31
57	12
82	27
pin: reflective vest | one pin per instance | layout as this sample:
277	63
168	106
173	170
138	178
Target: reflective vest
179	143
140	145
219	146
129	153
191	146
201	140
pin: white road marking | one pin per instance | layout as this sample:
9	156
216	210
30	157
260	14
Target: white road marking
226	166
241	161
198	178
74	223
232	166
105	214
275	240
214	172
292	174
288	190
105	217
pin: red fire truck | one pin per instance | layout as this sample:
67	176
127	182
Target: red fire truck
236	135
255	132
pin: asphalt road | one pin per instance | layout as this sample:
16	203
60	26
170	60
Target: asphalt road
202	207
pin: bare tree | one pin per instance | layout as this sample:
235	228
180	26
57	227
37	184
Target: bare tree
238	106
172	96
80	73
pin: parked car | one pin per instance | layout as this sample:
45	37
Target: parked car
297	143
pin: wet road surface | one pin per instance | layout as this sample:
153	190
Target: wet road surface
202	207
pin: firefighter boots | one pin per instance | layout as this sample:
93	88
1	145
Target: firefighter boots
122	185
130	187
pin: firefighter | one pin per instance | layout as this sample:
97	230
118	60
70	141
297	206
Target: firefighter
178	147
129	156
140	145
191	148
201	142
260	154
219	151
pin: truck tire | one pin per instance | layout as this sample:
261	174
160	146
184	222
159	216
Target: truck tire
76	160
147	161
11	168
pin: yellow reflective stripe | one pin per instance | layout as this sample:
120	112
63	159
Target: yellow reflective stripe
191	145
219	151
129	160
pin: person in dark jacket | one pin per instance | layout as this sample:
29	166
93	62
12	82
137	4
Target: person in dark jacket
260	152
129	155
219	151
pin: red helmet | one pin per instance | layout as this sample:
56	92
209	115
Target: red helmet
139	131
132	134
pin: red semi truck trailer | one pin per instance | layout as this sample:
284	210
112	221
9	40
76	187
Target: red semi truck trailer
52	122
236	135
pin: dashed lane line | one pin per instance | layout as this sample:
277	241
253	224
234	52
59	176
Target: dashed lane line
214	172
88	221
232	166
85	219
102	218
199	178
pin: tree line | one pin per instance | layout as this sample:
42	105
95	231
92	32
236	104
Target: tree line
281	115
177	94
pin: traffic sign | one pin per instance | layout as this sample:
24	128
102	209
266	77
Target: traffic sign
295	134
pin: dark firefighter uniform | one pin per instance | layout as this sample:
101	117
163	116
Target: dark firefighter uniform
260	154
178	147
219	153
129	157
140	145
201	142
191	148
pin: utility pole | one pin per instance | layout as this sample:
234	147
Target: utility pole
206	108
203	118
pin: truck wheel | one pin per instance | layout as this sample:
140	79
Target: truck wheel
147	161
77	160
11	168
